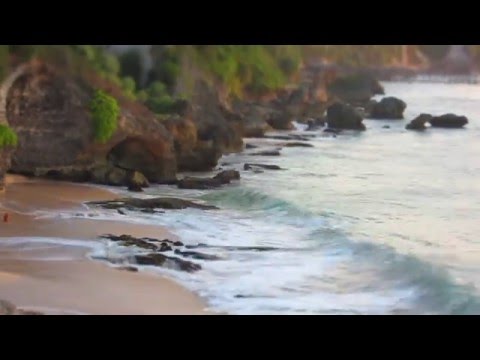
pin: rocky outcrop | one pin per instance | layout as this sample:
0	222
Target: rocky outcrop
355	89
222	178
49	110
448	121
215	122
254	117
419	122
193	153
343	116
150	204
156	255
387	108
198	183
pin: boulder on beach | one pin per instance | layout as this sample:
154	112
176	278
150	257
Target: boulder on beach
388	108
448	121
419	122
343	116
150	204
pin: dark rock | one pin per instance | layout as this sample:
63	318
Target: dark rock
333	131
386	127
262	166
296	144
197	255
448	121
342	116
316	124
199	183
128	268
254	117
227	175
355	89
164	241
280	120
144	243
135	188
388	108
154	203
193	153
121	212
127	240
290	137
266	153
419	122
170	262
250	146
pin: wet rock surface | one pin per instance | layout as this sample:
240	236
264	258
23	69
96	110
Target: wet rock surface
249	166
449	121
419	122
167	253
296	144
222	178
150	204
388	108
343	116
266	153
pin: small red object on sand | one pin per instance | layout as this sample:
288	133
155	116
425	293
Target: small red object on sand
5	217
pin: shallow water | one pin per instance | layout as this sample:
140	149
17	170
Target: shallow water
379	222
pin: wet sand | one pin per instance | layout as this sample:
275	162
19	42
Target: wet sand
71	283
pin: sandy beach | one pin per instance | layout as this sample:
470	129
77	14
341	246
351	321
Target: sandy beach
73	284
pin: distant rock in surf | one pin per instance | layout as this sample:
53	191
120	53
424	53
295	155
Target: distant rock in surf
388	108
343	116
448	121
419	122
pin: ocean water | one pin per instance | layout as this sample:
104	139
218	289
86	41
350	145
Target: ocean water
384	221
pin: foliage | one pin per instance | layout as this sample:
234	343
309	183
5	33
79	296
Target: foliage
131	65
7	136
105	111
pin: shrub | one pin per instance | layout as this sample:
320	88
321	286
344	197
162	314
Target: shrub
105	110
7	136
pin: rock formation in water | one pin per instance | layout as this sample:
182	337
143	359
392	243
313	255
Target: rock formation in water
343	116
387	108
448	121
419	122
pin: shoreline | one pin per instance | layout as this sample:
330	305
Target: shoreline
71	282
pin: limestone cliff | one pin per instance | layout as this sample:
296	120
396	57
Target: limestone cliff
49	110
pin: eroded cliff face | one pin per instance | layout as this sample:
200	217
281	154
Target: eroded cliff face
5	155
49	111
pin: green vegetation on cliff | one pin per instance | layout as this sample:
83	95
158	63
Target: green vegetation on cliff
239	69
105	111
7	136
